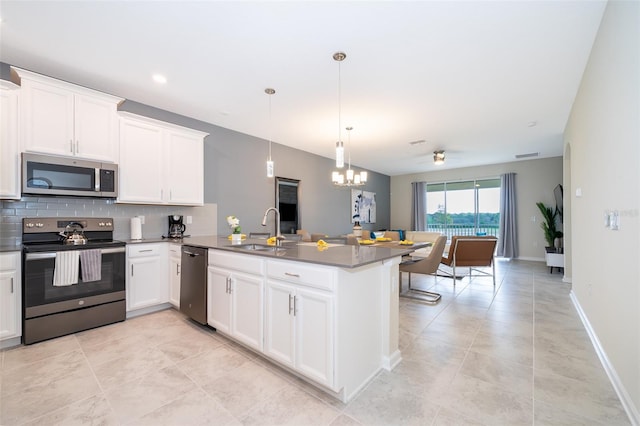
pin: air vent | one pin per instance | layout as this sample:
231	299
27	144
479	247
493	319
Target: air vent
417	142
529	155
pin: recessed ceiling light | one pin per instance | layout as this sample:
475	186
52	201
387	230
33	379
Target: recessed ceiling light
159	78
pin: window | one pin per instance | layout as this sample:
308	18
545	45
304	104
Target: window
464	208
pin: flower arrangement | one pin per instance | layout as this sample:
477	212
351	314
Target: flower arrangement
234	223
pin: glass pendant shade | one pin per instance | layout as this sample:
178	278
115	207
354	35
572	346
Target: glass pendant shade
339	154
269	168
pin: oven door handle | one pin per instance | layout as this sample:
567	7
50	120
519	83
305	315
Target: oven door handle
52	255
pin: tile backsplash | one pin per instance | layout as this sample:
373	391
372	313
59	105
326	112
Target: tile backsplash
204	219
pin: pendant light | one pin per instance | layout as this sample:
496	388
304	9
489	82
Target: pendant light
339	57
270	173
351	178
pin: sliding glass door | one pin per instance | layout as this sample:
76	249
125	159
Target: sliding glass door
464	208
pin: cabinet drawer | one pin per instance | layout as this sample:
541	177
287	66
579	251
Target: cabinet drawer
240	262
314	276
174	250
140	250
9	261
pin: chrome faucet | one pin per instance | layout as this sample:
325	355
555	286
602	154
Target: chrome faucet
279	236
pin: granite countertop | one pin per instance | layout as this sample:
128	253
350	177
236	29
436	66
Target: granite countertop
343	256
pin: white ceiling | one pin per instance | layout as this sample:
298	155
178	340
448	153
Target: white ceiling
465	77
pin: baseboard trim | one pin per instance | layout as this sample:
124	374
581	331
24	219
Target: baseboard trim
627	402
390	362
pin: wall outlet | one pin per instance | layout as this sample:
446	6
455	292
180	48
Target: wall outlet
189	220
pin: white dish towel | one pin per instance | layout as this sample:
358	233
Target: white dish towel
91	265
66	268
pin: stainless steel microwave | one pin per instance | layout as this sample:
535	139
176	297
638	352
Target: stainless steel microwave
50	175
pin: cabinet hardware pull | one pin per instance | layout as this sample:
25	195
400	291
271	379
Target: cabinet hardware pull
177	269
292	275
226	289
71	146
295	308
191	253
131	270
11	284
289	304
77	147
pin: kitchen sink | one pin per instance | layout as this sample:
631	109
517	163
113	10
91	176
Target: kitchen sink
259	247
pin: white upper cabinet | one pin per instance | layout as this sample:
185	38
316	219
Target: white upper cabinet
160	163
64	119
9	148
141	162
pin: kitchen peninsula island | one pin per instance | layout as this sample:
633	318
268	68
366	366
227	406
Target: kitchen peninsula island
328	315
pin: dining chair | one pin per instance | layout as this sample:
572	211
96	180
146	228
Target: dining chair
426	265
473	252
394	235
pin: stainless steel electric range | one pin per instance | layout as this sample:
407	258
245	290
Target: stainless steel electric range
73	276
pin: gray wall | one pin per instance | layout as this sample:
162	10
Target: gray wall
605	120
535	180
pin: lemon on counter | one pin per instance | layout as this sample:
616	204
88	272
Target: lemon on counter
271	241
366	242
243	236
383	239
406	243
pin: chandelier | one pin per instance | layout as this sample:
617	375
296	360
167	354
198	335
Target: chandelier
352	178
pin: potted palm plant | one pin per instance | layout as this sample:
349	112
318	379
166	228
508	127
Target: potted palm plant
551	232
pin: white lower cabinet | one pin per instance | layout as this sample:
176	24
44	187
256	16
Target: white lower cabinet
10	296
147	283
235	294
299	329
174	274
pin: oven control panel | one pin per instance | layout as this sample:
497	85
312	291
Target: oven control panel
59	224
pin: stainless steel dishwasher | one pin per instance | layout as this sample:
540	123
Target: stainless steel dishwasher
193	283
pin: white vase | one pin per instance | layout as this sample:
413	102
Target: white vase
236	238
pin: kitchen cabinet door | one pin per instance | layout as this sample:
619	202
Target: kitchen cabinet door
219	299
247	309
10	296
174	275
47	118
141	162
185	163
279	323
313	311
147	282
9	145
95	128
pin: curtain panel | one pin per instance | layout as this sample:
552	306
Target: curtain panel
508	231
418	206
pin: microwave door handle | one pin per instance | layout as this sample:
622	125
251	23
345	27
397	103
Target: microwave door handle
97	180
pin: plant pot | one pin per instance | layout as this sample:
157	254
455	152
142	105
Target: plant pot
236	238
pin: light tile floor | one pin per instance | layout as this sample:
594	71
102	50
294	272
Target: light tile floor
514	355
